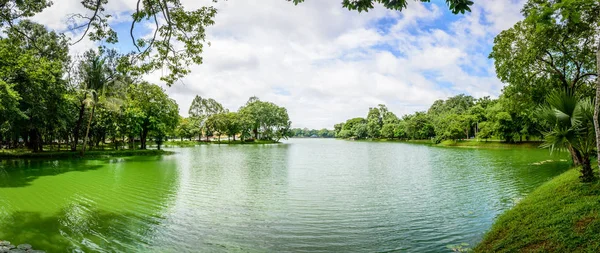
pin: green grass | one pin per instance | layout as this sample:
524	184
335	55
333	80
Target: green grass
23	154
562	215
489	144
466	143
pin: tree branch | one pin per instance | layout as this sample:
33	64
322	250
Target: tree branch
137	10
89	24
551	64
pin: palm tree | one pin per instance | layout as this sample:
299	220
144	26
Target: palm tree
99	73
571	127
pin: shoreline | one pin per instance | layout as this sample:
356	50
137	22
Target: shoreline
88	154
561	215
462	143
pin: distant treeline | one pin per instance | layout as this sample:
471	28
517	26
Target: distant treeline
458	117
312	133
256	120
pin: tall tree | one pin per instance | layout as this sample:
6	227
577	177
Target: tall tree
201	109
98	72
157	113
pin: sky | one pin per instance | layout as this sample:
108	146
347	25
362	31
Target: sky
324	63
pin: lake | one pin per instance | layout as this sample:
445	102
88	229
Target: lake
306	195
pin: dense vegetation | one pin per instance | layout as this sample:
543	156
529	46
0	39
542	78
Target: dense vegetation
49	98
458	117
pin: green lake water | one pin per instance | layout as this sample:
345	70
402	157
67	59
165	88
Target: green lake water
307	195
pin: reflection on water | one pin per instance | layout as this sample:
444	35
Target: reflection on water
305	195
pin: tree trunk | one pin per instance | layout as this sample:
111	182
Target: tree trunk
143	136
40	141
87	132
575	155
587	174
78	125
597	106
33	140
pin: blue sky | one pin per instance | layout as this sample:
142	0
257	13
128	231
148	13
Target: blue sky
327	64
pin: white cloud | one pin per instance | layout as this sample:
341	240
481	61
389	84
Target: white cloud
327	64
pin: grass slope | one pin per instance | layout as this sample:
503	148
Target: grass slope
466	143
562	215
489	144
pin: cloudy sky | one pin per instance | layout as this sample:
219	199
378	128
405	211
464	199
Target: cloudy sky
326	64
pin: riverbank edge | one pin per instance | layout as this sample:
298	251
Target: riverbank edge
561	215
465	143
88	154
223	142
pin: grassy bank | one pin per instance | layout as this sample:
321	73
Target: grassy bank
562	215
20	154
489	144
466	143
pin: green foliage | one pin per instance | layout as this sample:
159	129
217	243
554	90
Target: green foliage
571	128
266	120
156	113
458	117
313	133
258	119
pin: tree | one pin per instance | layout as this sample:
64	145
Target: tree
232	124
265	120
571	127
97	73
360	130
389	130
217	124
185	129
485	130
155	112
374	123
201	109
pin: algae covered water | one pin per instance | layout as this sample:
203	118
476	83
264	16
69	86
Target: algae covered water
306	195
